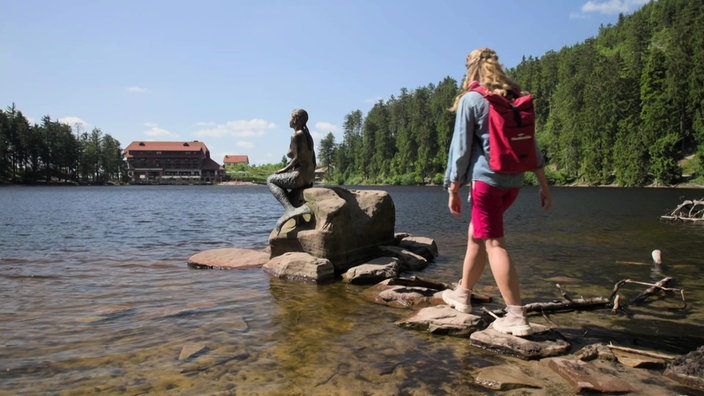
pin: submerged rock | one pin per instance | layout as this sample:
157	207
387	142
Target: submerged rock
587	378
228	258
505	378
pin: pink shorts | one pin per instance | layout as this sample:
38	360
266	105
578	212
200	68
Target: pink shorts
488	206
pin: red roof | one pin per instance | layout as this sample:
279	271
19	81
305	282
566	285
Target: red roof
165	146
236	159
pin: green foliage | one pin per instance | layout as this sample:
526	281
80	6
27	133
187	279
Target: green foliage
621	108
50	152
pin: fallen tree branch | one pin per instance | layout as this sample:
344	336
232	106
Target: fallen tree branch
660	285
688	210
652	289
578	303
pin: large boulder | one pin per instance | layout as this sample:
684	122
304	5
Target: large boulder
346	226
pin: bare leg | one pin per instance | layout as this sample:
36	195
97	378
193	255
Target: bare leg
474	260
504	271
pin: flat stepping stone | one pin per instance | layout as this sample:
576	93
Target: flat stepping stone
228	258
442	319
544	342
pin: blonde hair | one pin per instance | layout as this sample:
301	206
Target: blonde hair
483	66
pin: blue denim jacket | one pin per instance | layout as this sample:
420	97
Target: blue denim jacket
470	141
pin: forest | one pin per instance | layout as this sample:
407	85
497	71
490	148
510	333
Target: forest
622	108
50	152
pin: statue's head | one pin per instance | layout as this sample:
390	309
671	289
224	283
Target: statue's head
299	118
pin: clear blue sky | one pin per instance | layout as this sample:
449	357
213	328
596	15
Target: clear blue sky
229	72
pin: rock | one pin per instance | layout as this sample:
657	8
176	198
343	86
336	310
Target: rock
543	343
192	350
587	378
412	292
595	351
374	271
409	260
505	378
688	369
422	246
636	360
228	258
300	266
346	227
406	292
186	310
442	319
213	358
407	296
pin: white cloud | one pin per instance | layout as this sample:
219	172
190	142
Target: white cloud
137	90
325	127
74	122
245	144
241	128
611	7
155	131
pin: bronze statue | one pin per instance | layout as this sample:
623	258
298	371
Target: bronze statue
299	173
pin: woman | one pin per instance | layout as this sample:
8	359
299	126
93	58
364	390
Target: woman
491	194
299	173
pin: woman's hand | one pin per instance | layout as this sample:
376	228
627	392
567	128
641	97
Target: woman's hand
455	204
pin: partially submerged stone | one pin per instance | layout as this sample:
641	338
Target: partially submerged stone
346	226
192	350
300	266
412	292
505	378
636	360
422	246
442	319
410	261
373	271
543	343
228	258
587	378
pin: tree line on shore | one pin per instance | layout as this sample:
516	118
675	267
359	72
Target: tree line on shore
623	108
50	152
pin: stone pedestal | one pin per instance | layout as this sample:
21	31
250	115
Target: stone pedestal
346	226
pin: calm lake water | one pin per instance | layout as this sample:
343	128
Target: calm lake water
96	295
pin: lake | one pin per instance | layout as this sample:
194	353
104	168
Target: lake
96	295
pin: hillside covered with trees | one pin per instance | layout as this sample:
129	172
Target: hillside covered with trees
623	108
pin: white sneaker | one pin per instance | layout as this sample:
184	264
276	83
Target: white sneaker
459	299
514	322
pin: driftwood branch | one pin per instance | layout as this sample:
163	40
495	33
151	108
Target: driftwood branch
577	303
689	210
652	289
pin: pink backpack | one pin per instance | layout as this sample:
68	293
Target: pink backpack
512	147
